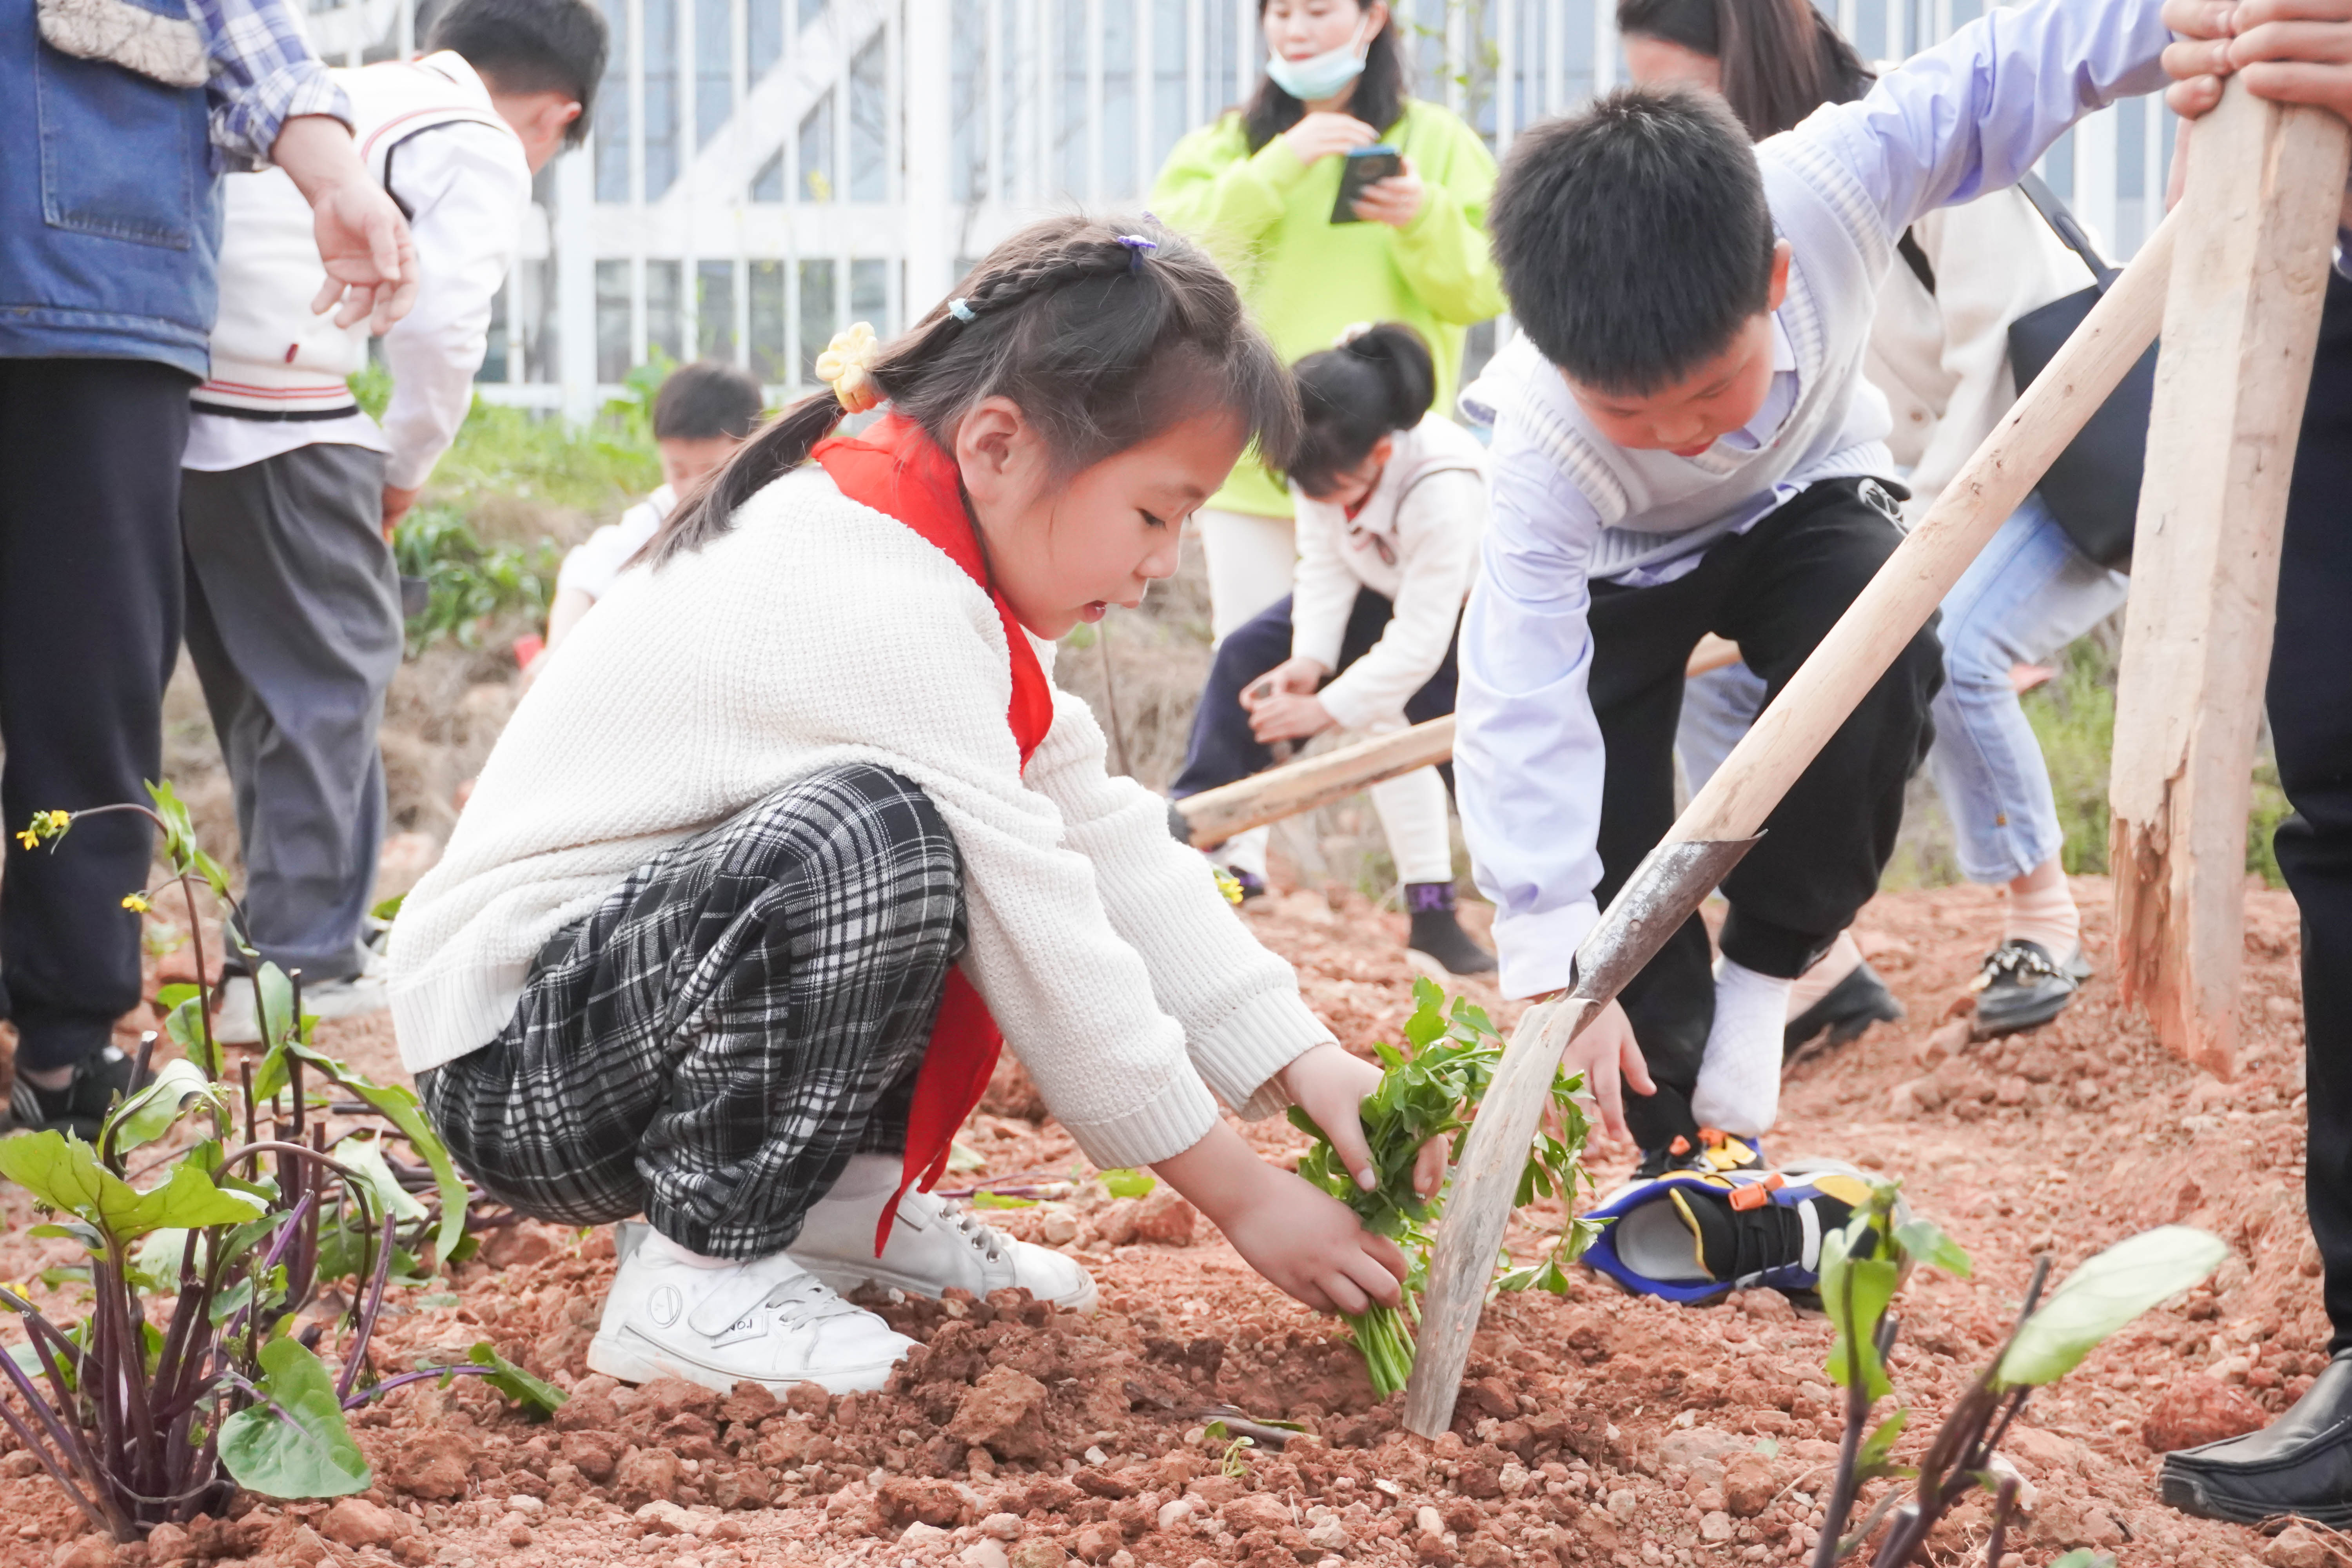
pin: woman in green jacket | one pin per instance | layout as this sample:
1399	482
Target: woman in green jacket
1257	188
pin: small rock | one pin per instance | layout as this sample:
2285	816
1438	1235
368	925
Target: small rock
519	1535
90	1552
1165	1219
649	1475
433	1465
1330	1535
1059	1227
939	1504
1003	1526
1429	1520
354	1522
1037	1553
166	1543
308	1548
1004	1412
2199	1409
662	1517
1254	1510
2010	1090
1096	1543
920	1534
2296	1547
1714	1527
1945	1042
19	1465
1748	1486
984	1553
1621	1502
809	1399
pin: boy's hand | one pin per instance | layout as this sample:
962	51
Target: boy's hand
1395	201
1605	1050
1287	717
396	504
2290	51
1304	1242
1330	1086
1319	136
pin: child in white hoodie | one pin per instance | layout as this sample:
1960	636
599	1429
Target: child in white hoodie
798	823
1392	502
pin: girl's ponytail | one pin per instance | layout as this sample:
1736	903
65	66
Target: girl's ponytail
1380	379
1106	334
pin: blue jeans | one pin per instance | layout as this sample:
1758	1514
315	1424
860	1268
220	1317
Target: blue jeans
2029	594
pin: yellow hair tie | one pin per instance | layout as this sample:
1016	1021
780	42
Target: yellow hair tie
847	365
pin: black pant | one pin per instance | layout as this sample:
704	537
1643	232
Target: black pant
1223	750
1776	590
90	623
2311	719
744	1013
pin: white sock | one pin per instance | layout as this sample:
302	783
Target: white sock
1739	1079
865	1178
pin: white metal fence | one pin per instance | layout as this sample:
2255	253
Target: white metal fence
764	171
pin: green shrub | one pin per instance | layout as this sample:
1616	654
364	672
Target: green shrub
469	581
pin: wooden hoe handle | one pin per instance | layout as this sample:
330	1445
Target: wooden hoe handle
1732	807
1216	814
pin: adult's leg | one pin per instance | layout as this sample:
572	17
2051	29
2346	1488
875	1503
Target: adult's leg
90	623
716	1040
1251	560
2029	594
1789	581
296	637
2302	1462
1641	640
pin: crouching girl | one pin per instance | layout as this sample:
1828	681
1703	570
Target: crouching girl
799	822
1392	502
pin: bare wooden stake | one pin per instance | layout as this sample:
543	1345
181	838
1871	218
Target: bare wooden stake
2258	214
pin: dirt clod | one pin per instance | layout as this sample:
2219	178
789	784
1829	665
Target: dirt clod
356	1523
2199	1409
1004	1412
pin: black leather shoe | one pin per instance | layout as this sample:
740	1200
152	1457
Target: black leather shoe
99	1080
2023	985
1847	1011
2300	1464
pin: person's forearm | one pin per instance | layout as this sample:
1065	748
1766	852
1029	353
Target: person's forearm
1221	1175
317	152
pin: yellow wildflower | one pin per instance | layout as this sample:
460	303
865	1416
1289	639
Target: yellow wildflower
45	825
1227	884
135	902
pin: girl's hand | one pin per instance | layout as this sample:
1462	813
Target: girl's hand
1308	1243
1296	673
1395	201
1606	1049
1319	136
1330	1086
1285	716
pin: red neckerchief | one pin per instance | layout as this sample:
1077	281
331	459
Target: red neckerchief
900	472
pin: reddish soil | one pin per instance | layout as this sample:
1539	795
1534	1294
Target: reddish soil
1597	1428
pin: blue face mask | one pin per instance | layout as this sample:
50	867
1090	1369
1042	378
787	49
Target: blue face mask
1319	76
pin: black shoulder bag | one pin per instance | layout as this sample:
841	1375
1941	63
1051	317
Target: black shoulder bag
2093	488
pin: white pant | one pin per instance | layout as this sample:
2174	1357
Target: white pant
1251	561
1412	815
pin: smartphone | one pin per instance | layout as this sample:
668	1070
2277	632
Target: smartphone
1366	166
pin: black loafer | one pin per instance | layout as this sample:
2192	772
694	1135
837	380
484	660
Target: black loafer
1849	1009
2300	1465
2022	986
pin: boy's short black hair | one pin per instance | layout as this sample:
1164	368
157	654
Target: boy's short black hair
705	399
530	46
1633	237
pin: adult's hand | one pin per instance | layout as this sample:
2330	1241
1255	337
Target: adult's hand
2290	51
1395	201
363	241
1319	136
396	503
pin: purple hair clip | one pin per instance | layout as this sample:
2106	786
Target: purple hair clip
1136	246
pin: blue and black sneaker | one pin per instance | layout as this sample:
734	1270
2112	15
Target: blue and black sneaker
1692	1236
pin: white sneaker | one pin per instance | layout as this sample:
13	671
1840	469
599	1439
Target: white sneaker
238	1022
933	1246
769	1321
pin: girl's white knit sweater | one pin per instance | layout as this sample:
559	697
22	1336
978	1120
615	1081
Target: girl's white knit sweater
819	633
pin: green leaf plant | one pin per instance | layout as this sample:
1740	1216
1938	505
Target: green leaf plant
1431	1092
1862	1265
231	1279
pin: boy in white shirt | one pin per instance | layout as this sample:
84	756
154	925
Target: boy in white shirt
290	494
703	412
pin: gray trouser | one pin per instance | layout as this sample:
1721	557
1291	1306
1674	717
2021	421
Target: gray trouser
294	624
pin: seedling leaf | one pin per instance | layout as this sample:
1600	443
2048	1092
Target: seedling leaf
63	1174
295	1443
1923	1241
2102	1296
534	1395
150	1113
1125	1184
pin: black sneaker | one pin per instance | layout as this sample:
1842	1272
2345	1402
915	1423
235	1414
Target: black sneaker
2022	986
1437	935
1847	1011
77	1108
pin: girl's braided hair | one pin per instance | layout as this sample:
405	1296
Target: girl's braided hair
1103	343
